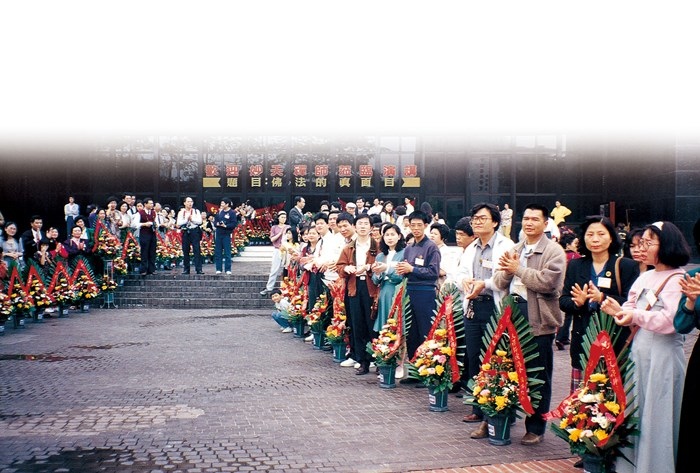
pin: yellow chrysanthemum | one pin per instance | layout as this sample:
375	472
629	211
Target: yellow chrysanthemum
598	378
563	424
439	369
613	407
600	434
476	390
501	352
574	434
513	376
501	402
486	366
483	400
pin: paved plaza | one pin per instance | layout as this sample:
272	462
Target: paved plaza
218	390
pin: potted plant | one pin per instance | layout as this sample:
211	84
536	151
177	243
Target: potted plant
504	386
40	298
21	303
6	310
316	318
336	332
387	350
294	292
85	291
595	420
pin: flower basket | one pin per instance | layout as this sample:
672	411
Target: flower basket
595	420
317	316
437	399
6	310
389	348
337	330
85	292
504	385
319	339
499	429
339	348
387	376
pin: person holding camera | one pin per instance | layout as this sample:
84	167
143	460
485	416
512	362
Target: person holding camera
189	220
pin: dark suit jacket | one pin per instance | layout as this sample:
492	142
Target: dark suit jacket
295	217
579	271
29	245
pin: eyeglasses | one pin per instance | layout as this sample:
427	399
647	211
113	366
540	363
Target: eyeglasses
480	218
647	243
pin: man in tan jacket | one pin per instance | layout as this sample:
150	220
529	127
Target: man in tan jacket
534	274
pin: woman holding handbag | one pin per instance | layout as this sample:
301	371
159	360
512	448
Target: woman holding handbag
657	351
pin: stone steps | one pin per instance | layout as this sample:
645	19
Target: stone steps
172	289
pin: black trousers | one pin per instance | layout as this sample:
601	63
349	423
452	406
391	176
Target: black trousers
474	329
422	300
361	323
191	237
535	423
147	242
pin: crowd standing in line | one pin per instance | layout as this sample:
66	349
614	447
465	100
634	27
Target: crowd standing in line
553	271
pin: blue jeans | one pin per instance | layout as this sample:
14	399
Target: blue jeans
222	252
280	318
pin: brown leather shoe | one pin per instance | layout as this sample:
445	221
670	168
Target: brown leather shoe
471	418
531	439
481	432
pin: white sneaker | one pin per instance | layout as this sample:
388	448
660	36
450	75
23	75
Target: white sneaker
310	338
356	365
372	365
349	363
287	330
218	272
398	374
228	273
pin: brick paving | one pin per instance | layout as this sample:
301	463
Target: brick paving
222	390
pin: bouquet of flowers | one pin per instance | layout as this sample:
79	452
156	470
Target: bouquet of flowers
436	361
496	386
315	318
119	266
107	246
206	246
6	308
37	292
20	300
167	252
294	292
85	288
131	250
593	420
387	349
337	330
62	292
431	360
502	386
108	284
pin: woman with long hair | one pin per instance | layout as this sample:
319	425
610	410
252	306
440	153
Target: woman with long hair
391	249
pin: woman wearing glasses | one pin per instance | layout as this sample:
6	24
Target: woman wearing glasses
591	279
657	351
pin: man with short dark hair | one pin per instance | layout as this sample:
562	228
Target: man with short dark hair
533	273
32	237
189	220
224	222
481	298
296	216
421	266
354	266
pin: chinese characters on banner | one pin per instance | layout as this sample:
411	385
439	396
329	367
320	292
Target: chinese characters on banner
310	177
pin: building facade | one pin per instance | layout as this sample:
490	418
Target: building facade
635	180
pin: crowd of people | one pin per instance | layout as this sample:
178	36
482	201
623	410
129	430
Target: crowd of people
145	219
557	275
